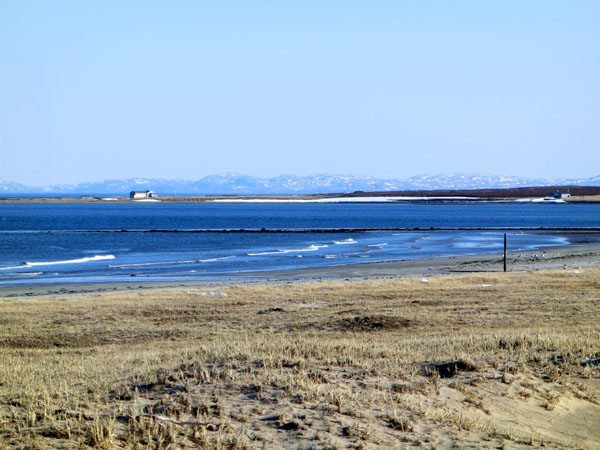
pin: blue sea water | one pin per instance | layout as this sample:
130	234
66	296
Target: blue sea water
48	243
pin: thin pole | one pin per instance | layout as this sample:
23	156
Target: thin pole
505	252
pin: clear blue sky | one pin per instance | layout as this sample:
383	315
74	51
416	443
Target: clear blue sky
91	90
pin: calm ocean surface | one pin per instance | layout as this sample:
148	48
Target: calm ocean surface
47	243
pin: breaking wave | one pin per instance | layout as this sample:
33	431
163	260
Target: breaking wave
168	263
65	261
310	248
345	241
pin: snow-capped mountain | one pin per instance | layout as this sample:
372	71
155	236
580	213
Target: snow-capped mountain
291	184
10	187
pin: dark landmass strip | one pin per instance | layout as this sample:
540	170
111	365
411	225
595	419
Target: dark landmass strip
521	192
321	230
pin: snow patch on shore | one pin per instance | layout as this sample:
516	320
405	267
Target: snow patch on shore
338	199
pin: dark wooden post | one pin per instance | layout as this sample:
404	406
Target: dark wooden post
505	252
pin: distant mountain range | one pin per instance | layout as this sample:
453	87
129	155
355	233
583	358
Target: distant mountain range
289	184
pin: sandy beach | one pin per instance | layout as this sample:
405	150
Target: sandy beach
569	257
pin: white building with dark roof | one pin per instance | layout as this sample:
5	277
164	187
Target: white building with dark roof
136	195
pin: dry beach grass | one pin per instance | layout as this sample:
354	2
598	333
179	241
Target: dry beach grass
328	364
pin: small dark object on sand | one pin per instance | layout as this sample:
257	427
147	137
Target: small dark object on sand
289	426
264	311
449	369
591	362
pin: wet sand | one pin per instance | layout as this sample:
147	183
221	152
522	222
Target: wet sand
568	258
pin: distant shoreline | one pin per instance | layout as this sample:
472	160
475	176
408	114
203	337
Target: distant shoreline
318	198
589	194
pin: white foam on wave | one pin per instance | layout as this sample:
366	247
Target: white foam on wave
167	263
345	241
310	248
360	254
161	263
66	261
215	259
22	274
378	245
